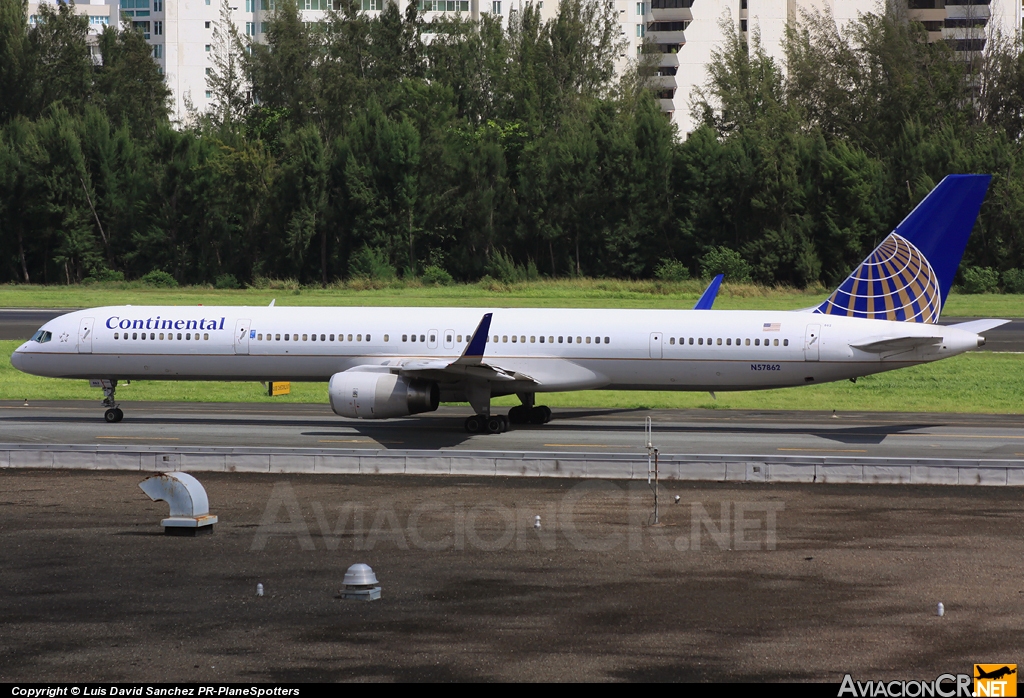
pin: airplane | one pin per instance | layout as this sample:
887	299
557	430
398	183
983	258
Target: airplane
383	363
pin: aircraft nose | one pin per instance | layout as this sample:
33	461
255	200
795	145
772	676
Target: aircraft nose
17	359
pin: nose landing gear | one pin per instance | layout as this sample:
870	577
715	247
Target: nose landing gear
113	413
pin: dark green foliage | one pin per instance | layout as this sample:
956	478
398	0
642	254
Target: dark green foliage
722	260
226	281
370	263
1013	280
672	270
160	279
361	148
980	280
436	276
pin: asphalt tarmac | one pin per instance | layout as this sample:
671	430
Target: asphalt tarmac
781	433
775	582
17	323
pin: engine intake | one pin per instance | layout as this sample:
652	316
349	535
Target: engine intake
366	395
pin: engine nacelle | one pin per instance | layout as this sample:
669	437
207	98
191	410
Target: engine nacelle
366	395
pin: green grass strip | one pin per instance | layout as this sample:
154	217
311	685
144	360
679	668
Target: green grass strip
575	293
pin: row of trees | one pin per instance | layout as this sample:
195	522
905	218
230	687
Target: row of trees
381	146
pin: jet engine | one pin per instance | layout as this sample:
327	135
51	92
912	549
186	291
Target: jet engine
367	395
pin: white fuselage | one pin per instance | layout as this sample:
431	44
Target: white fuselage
559	349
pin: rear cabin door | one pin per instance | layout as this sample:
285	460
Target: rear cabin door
656	345
242	336
85	329
812	343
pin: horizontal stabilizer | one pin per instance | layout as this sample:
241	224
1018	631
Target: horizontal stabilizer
979	326
896	344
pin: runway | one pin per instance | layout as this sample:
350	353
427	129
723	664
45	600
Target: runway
869	435
21	323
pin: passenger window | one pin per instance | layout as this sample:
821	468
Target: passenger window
785	342
533	339
776	342
672	340
206	336
387	338
421	338
522	339
700	340
459	339
746	342
588	340
447	339
433	338
691	340
359	337
413	338
542	339
757	342
276	336
559	340
350	338
135	335
607	340
367	338
115	337
405	338
188	335
728	341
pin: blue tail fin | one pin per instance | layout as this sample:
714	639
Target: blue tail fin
908	276
707	299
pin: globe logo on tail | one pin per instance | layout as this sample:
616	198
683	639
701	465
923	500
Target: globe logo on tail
895	282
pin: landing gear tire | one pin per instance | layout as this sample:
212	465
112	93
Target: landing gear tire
520	414
475	424
113	415
540	415
496	424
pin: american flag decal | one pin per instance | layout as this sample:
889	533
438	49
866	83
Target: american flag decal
772	326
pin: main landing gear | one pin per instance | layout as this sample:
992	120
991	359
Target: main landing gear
113	413
484	424
526	413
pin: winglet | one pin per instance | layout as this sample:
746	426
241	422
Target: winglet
272	303
474	352
710	293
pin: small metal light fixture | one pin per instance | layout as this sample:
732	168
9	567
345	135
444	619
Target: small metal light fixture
360	583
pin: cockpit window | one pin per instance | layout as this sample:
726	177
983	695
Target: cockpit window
41	337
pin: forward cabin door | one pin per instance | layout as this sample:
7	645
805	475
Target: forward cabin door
242	336
812	343
85	335
655	345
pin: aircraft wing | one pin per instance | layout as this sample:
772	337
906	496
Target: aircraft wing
454	369
879	346
469	365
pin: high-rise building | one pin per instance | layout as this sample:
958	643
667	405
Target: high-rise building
685	33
